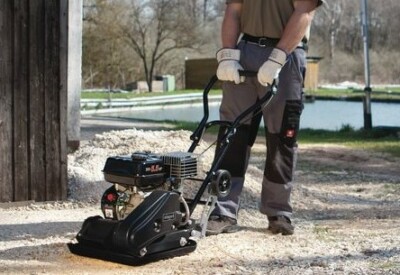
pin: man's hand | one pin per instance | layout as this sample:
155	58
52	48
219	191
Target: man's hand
272	67
228	65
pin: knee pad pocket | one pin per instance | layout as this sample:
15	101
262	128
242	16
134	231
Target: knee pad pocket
291	121
236	155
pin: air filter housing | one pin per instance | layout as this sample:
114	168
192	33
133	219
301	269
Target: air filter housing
180	165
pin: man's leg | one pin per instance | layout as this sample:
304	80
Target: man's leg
224	217
282	118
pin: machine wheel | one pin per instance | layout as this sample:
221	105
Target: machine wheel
220	184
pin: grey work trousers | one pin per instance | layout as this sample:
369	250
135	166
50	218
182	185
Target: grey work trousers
281	118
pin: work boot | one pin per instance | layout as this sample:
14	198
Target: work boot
280	224
221	224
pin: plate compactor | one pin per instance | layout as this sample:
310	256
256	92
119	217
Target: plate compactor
145	215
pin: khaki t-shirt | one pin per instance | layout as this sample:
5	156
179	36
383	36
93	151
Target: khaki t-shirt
266	18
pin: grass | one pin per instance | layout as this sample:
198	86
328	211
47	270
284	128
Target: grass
383	93
376	140
354	94
105	95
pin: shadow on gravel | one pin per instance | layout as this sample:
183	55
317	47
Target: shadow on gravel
297	262
42	252
15	232
346	214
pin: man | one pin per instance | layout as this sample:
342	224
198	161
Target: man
273	36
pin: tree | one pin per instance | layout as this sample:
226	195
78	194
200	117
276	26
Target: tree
137	39
104	56
329	16
152	30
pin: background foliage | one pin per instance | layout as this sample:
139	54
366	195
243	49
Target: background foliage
130	40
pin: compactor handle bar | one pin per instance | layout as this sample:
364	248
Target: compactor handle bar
231	129
198	133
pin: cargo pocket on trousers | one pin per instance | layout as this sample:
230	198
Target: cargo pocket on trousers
291	122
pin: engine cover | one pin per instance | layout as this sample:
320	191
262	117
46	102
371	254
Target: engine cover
141	169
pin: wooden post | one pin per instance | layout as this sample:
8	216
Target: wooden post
367	89
33	101
6	103
20	100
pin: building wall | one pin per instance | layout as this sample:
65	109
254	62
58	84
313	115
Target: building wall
33	100
199	71
74	71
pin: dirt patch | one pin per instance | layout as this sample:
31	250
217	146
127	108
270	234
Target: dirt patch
346	205
350	159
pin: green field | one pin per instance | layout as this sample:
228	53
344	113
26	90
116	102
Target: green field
380	140
381	93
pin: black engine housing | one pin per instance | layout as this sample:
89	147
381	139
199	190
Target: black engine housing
142	169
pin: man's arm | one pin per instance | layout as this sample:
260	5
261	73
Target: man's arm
292	35
230	30
297	25
229	57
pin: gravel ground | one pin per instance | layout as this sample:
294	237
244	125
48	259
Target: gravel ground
346	204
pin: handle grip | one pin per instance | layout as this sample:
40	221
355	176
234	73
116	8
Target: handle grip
247	73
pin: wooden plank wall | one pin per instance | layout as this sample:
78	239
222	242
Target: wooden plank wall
199	71
33	99
311	81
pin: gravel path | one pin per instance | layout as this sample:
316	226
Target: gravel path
346	204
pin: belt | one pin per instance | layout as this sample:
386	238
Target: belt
260	41
268	42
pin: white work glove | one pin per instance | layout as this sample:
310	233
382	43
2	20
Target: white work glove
272	67
228	65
